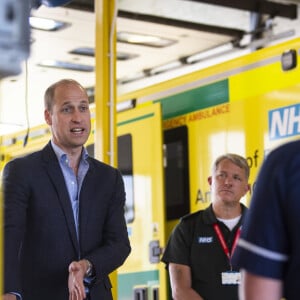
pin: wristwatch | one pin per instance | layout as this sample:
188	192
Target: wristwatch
89	271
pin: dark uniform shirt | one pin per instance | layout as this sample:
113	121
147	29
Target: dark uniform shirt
195	243
270	245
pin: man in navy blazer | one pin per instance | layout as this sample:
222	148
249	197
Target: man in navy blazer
65	230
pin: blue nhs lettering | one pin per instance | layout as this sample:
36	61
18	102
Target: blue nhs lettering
284	122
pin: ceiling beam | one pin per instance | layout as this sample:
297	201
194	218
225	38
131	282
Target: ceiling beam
87	5
236	33
260	6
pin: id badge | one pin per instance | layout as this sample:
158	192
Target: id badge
231	277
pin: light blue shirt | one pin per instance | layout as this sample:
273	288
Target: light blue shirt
72	181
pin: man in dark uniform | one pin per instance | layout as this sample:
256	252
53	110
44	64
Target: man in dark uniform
198	253
269	247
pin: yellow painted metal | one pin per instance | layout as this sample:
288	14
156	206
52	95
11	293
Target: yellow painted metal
1	235
248	83
145	127
105	91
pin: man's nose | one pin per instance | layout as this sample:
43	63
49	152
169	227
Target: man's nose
76	116
228	180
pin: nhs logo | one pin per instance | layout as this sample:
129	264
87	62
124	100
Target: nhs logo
284	122
205	239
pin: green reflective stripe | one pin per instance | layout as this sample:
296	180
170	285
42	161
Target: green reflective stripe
135	119
128	281
195	99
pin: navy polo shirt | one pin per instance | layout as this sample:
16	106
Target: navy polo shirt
194	242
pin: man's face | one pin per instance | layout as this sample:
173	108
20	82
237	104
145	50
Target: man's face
70	117
228	183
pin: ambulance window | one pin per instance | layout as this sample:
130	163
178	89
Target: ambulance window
125	166
176	172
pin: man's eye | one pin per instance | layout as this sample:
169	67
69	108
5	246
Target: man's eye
66	109
84	108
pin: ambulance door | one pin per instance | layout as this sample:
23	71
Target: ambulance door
140	159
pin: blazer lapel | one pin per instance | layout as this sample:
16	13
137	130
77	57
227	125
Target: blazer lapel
58	181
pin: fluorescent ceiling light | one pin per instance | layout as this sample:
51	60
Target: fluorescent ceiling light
164	68
143	39
125	55
85	51
150	72
131	78
209	53
66	65
89	51
46	24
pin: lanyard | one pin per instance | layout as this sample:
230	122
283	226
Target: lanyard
223	243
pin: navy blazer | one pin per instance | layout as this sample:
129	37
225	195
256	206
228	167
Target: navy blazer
40	236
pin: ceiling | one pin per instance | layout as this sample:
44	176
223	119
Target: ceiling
192	26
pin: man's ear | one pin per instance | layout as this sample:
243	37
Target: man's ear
209	180
47	117
248	188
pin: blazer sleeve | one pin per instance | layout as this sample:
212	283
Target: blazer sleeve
15	197
113	243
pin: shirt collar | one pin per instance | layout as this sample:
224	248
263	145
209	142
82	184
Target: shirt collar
60	154
210	218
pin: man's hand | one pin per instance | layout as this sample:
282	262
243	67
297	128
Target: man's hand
77	271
